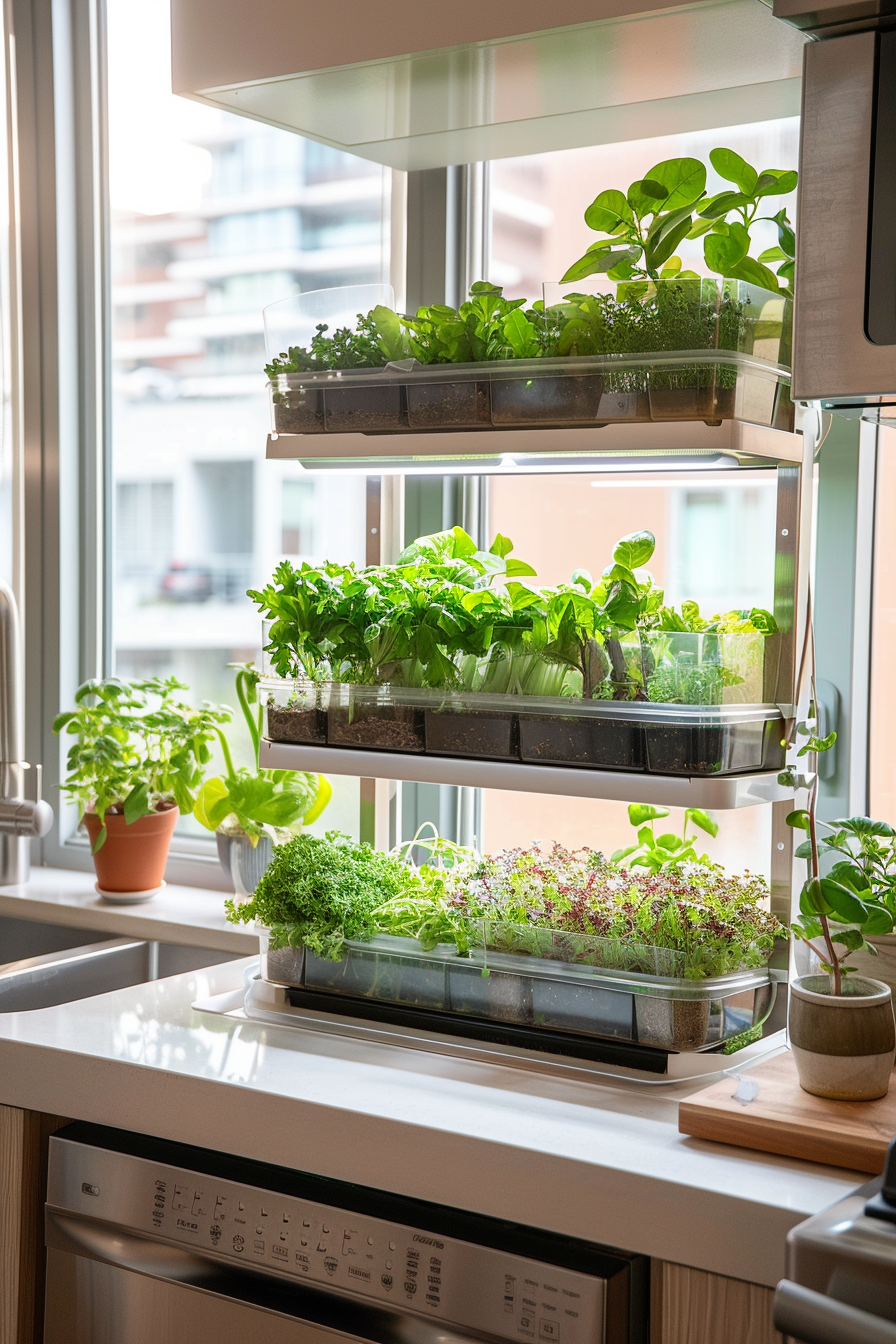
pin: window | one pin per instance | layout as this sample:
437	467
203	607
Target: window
214	217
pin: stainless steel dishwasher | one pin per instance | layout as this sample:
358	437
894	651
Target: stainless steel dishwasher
150	1242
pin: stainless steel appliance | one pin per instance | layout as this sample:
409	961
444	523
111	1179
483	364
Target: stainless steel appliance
845	316
154	1240
841	1270
20	818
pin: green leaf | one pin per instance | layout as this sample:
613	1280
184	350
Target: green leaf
656	256
501	546
609	212
684	181
211	793
799	819
518	569
729	165
633	551
772	254
812	898
754	273
776	182
136	805
645	837
850	875
322	797
723	252
669	841
717	207
599	262
804	850
698	229
638	813
864	826
844	903
879	921
703	820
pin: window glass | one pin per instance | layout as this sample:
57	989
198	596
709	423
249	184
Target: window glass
213	217
715	544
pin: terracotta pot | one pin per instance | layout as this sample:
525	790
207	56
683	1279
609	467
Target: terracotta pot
133	857
843	1045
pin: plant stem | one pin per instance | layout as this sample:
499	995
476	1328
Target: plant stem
247	714
825	927
228	759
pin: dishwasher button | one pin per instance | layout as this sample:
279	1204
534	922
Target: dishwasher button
549	1330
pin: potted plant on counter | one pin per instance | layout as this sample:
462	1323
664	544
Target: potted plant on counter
842	1030
135	767
249	809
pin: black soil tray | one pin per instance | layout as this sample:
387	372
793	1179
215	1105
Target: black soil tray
569	1044
568	399
299	411
546	740
477	733
384	727
728	749
448	406
365	409
297	725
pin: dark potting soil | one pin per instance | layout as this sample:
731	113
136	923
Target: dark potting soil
727	750
556	741
565	399
448	406
472	734
296	725
629	407
365	409
301	413
692	403
399	729
671	1024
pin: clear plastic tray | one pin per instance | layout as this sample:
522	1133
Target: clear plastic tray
663	1012
668	739
408	397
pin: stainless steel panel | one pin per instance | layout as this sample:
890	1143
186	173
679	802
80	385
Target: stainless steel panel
813	1318
89	1302
134	1204
832	357
79	973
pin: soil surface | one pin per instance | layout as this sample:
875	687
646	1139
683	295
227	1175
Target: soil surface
570	742
492	735
374	730
563	400
449	406
689	751
358	409
297	725
304	418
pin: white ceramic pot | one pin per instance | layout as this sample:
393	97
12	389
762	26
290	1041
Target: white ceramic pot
843	1045
243	862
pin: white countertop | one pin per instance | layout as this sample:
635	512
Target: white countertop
190	916
602	1161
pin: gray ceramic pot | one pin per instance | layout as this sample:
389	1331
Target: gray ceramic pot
243	862
843	1045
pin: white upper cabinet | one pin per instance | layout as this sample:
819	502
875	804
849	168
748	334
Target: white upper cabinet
425	85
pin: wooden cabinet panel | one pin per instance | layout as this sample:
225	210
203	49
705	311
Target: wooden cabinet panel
23	1190
689	1306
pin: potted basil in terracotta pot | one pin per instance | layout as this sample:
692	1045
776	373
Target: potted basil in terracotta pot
135	767
842	1030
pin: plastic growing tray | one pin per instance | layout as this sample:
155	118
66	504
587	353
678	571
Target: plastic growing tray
663	1012
668	739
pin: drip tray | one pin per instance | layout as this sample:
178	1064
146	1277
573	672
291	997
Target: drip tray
483	1041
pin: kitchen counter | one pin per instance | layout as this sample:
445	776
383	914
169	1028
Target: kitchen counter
190	916
598	1160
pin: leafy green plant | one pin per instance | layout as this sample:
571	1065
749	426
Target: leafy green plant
839	911
658	853
255	801
319	892
867	844
643	226
139	747
727	219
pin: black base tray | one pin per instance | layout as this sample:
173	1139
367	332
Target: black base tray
645	1058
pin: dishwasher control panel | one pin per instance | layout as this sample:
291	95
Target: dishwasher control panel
392	1264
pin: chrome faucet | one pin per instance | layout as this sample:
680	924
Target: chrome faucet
21	818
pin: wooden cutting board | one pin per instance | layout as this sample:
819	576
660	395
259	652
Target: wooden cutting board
784	1119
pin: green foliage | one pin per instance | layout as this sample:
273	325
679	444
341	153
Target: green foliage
560	904
318	892
853	901
138	747
448	615
256	801
646	224
659	853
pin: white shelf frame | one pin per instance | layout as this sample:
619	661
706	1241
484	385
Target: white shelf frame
707	791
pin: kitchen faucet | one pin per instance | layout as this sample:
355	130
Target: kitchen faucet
20	817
